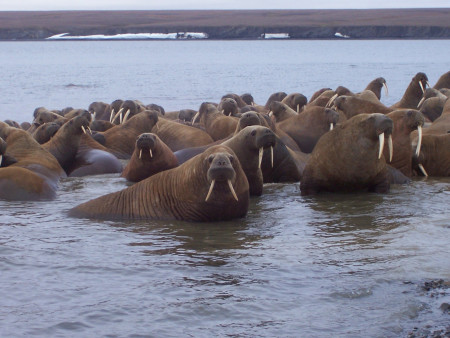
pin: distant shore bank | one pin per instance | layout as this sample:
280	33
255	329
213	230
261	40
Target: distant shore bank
226	24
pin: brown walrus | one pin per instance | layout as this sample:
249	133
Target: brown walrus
120	139
35	174
413	93
217	125
350	157
434	156
353	105
150	156
210	187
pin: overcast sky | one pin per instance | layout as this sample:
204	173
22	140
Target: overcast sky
213	4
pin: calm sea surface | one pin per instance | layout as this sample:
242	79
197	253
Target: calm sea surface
328	266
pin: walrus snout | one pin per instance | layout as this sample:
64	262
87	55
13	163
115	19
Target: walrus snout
249	119
221	169
332	117
267	139
146	140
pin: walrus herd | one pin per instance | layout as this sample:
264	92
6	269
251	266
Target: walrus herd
203	165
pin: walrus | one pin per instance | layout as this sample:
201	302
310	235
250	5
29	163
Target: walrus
376	85
150	156
229	107
120	139
434	156
35	174
433	107
350	158
65	142
248	99
278	96
413	93
217	125
405	121
178	136
353	105
307	127
443	81
210	187
295	101
45	131
281	111
5	159
100	110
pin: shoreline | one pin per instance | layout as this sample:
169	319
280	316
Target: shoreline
370	24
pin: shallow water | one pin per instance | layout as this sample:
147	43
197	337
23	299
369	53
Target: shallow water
347	265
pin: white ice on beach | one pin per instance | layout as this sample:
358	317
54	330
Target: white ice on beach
275	36
131	36
340	35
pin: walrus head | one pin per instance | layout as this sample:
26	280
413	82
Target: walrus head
221	171
186	115
422	80
248	99
146	143
228	107
46	131
383	125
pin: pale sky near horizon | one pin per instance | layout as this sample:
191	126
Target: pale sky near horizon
32	5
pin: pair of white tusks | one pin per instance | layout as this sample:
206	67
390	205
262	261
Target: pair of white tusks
421	86
261	151
330	101
119	114
140	154
211	187
84	129
381	147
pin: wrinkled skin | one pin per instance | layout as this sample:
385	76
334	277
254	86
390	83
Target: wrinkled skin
353	105
295	101
178	136
150	156
413	93
308	127
65	142
217	125
120	139
434	155
346	158
180	193
405	121
35	174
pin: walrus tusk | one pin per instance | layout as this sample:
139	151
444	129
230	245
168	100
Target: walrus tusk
386	88
331	126
298	108
84	130
421	86
195	118
232	190
422	169
391	148
151	154
117	115
271	156
140	154
419	142
112	115
420	102
330	101
380	151
126	116
94	116
270	113
90	130
211	187
428	84
1	159
261	150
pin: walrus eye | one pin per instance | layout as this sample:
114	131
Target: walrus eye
253	132
231	158
210	158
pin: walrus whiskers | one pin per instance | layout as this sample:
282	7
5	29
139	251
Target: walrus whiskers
381	139
422	169
232	190
419	142
211	187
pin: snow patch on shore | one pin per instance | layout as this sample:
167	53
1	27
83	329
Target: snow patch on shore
132	36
